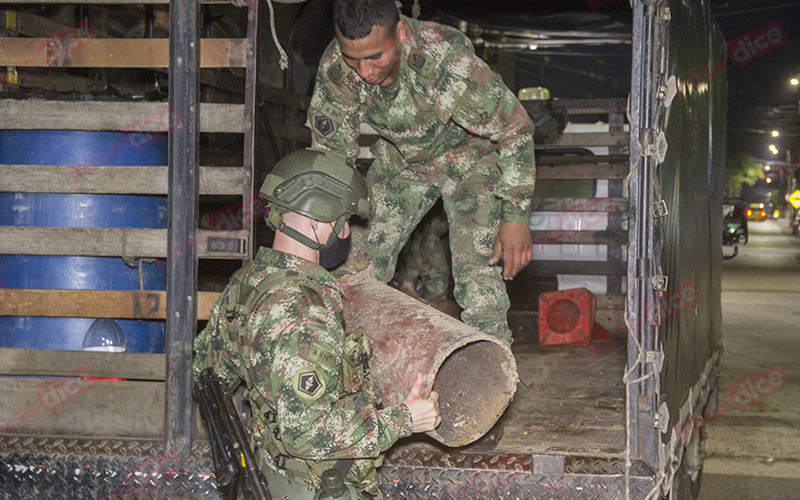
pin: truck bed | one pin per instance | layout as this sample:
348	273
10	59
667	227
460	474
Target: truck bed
570	400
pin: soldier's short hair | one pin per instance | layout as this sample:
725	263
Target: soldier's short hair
356	18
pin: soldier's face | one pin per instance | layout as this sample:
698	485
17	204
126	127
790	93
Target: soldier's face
376	57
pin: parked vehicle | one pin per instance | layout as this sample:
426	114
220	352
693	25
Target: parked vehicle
734	224
757	212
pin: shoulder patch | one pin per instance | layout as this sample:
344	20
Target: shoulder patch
336	72
334	112
321	356
328	119
324	125
470	110
420	63
308	384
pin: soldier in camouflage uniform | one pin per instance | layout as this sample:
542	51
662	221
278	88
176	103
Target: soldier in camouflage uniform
424	259
278	328
423	266
449	128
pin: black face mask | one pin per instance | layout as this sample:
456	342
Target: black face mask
334	251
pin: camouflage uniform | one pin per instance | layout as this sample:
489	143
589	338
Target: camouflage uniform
305	378
425	257
449	127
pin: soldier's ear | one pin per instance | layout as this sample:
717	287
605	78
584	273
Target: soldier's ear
401	32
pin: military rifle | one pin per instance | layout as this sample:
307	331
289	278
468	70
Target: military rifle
234	464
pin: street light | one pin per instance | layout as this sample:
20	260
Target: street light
773	149
775	133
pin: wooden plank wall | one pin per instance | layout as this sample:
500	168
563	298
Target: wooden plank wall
97	394
561	161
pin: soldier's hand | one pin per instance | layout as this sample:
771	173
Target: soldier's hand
424	412
513	245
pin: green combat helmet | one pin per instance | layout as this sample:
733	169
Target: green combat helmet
319	184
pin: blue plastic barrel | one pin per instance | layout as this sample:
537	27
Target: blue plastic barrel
63	147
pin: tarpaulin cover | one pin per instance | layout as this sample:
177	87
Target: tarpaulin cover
691	180
678	145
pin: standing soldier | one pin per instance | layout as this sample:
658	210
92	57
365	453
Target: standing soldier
449	128
278	328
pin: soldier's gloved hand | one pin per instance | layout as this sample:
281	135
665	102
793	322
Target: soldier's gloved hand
513	244
424	412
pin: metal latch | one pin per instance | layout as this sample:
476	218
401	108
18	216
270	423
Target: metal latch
660	209
661	418
656	358
652	144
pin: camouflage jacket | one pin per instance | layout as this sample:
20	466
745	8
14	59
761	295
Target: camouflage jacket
303	374
445	105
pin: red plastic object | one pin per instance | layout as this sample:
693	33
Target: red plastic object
566	317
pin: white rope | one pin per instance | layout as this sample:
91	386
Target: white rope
284	62
641	356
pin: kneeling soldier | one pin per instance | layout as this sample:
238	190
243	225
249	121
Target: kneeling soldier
278	328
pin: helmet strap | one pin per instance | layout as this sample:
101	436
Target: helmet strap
305	240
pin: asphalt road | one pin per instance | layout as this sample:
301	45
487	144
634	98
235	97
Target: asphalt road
754	452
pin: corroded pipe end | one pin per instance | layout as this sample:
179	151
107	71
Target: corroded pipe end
476	383
474	373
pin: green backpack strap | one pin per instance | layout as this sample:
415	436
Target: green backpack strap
242	296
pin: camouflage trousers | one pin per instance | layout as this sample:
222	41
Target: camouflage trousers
403	193
424	258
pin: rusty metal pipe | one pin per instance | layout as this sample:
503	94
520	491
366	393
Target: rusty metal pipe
474	373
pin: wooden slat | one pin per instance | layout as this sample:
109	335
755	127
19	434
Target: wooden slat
543	158
71	50
56	363
582	171
590	268
118	304
124	116
101	242
580	204
586	139
592	106
553	237
91	407
111	179
102	409
610	301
